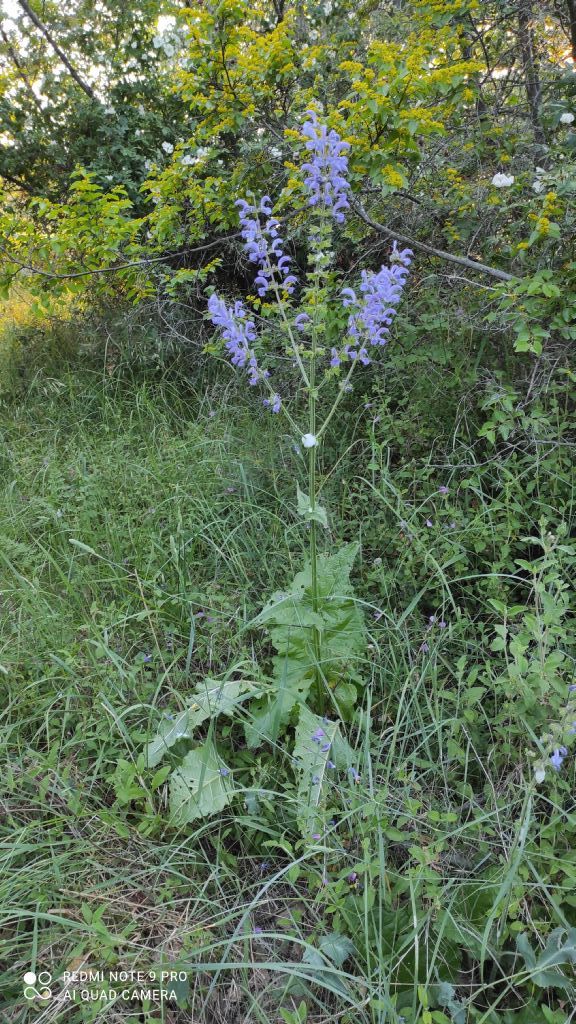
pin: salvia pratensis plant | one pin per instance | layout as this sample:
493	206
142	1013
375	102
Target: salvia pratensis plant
315	626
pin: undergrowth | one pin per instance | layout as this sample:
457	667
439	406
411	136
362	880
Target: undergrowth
141	523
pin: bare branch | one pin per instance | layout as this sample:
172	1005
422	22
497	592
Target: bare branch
50	38
117	267
462	261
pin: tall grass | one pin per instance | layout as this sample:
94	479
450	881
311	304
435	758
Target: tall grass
141	522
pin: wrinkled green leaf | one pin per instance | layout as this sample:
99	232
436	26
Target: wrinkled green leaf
198	788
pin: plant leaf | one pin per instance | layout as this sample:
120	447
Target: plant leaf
211	698
198	788
312	735
317	514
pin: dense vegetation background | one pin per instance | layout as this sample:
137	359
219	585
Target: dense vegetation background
148	510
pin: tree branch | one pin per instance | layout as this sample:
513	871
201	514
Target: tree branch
117	267
21	70
462	261
50	38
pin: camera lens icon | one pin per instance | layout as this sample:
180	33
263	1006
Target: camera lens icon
42	979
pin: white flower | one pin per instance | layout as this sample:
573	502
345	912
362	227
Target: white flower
567	117
538	186
539	775
141	109
503	180
188	160
309	441
167	147
275	152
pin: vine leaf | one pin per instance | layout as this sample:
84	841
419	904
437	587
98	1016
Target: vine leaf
200	787
211	698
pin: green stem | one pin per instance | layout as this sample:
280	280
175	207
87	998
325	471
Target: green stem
312	398
313	524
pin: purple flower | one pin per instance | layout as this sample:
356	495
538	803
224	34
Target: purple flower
354	774
443	490
325	172
557	757
238	332
257	930
335	360
325	748
441	624
315	780
316	836
424	648
352	877
301	321
274	403
318	735
330	764
572	688
224	771
381	292
264	245
429	522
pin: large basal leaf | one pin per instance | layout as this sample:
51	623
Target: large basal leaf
560	951
293	621
200	787
312	754
269	715
211	698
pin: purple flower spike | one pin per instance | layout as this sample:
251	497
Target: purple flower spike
238	332
264	245
381	292
325	172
